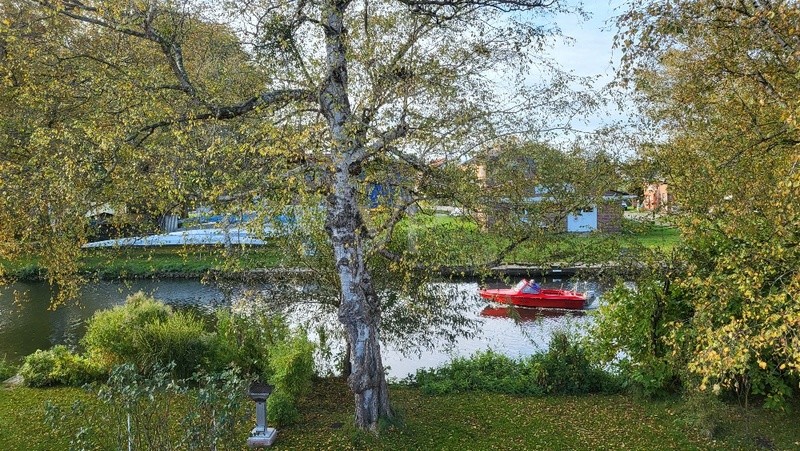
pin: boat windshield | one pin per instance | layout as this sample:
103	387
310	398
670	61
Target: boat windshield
521	285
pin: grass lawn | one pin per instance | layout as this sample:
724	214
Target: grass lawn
656	236
462	421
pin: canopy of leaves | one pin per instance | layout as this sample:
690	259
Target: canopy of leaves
719	81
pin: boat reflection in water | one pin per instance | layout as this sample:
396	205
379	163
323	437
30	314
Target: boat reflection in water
525	314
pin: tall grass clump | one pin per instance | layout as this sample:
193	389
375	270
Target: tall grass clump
180	339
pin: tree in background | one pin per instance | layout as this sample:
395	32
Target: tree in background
271	103
718	80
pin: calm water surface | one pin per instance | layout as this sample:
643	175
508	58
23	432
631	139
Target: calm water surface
27	323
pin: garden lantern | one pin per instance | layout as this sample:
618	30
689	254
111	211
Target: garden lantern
261	435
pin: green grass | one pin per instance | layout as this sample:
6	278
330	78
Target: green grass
470	421
153	261
656	236
443	240
459	242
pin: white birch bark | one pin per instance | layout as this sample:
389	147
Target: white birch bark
359	312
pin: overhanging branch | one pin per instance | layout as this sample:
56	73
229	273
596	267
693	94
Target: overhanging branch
173	51
266	99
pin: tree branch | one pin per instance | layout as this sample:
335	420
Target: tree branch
425	6
266	99
173	51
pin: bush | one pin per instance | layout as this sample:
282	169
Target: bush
292	366
147	333
563	369
483	371
631	331
31	272
246	341
281	409
179	339
58	366
6	369
112	336
133	411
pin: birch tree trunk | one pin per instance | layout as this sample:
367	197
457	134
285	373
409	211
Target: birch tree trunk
359	311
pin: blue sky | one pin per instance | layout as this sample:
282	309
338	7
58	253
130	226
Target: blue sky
591	52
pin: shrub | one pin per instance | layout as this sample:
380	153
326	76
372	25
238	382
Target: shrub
31	272
264	348
563	369
148	333
292	366
245	341
6	369
112	336
483	371
631	331
281	409
179	339
140	412
58	366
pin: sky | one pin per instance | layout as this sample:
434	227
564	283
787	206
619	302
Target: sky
590	51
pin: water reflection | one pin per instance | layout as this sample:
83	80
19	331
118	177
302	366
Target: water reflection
27	323
523	314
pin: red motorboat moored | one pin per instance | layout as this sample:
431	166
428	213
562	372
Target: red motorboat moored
529	294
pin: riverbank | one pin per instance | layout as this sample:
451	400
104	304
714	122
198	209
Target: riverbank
465	421
462	249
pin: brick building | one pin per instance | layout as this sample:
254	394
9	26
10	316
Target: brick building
656	197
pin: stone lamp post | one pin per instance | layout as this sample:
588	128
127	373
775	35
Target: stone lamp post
261	436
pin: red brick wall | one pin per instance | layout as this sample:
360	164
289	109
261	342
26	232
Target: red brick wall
609	216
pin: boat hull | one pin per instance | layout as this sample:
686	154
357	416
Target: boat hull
546	298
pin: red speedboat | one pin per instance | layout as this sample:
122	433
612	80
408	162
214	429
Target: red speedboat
529	294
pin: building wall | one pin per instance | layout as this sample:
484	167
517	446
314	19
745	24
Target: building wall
583	221
609	216
656	197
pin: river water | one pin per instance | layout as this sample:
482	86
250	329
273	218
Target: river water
27	323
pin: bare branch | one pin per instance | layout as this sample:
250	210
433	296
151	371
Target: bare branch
429	6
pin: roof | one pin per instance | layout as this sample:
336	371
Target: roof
614	194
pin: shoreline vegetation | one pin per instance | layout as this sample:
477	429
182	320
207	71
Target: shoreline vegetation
255	263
